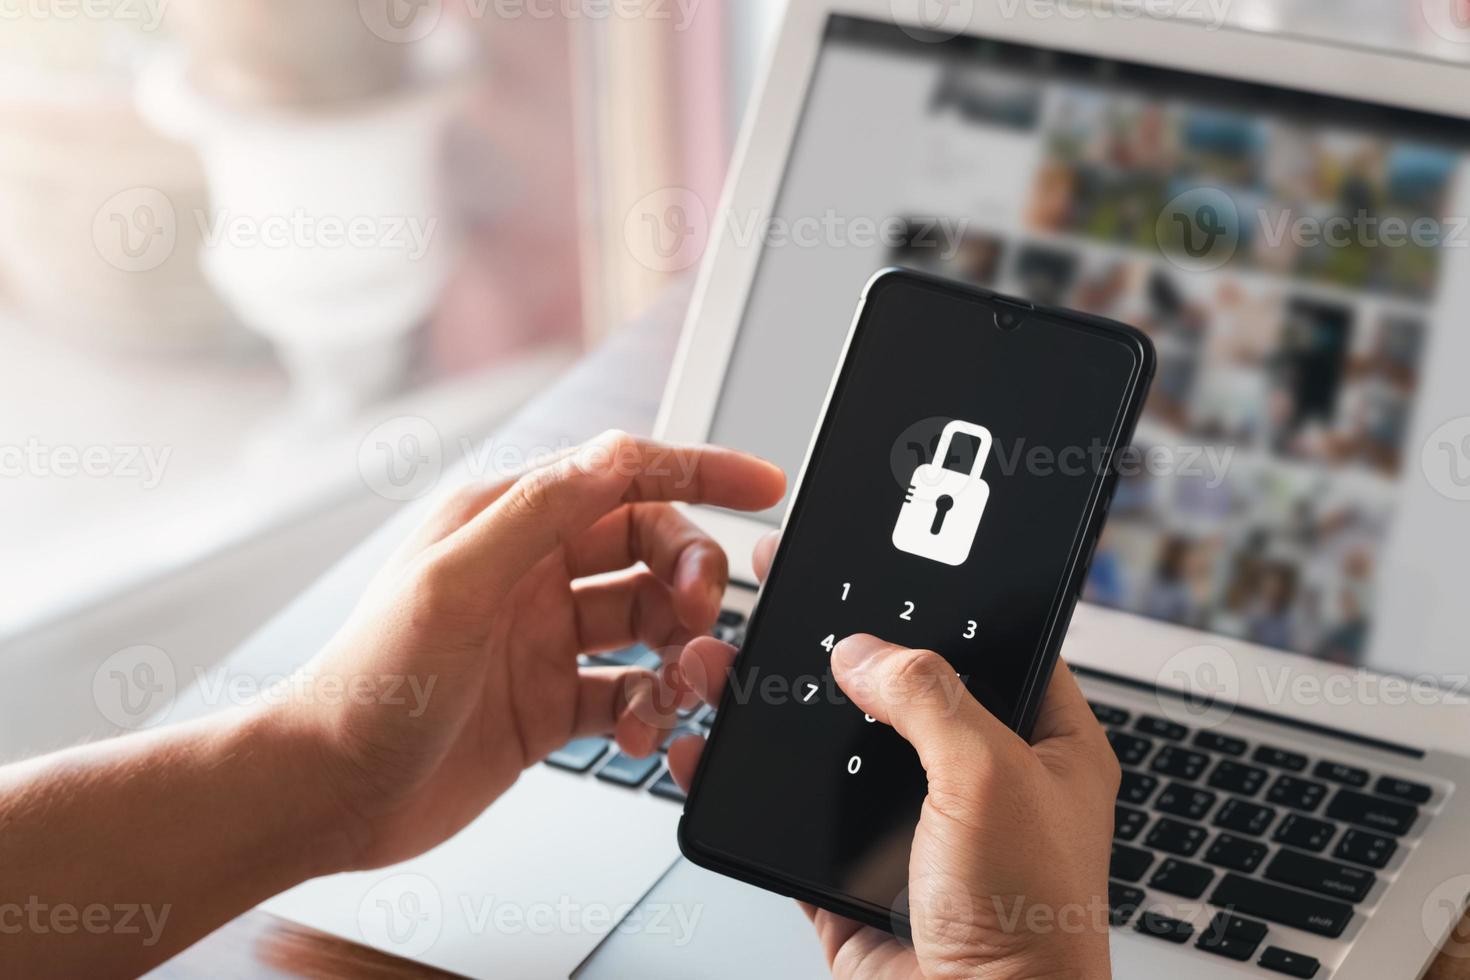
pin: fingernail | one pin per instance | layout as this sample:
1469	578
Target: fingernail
852	653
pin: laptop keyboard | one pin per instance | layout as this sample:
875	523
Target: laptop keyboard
599	758
1266	836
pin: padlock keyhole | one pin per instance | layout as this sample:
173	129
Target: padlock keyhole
942	507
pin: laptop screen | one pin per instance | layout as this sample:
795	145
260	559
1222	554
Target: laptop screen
1289	254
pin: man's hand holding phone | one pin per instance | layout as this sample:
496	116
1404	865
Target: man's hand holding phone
1008	873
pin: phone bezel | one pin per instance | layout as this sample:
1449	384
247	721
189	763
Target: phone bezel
1060	611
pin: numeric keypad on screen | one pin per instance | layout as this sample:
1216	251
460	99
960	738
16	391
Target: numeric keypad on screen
910	620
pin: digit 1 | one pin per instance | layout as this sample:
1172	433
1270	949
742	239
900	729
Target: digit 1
846	590
854	764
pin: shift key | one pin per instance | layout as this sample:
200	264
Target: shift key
1284	906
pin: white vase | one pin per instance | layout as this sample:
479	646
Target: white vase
326	232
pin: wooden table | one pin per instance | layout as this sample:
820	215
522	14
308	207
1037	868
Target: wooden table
619	386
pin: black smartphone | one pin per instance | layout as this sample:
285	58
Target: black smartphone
950	501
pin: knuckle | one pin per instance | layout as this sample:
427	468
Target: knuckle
1110	773
534	492
960	791
433	595
918	676
461	504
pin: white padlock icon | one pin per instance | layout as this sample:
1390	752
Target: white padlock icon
943	507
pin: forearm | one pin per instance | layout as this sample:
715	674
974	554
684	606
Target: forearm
119	854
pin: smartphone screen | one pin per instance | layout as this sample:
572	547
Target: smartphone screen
950	502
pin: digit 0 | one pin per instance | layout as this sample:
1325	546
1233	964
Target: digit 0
854	764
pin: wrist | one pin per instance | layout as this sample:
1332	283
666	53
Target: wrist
317	833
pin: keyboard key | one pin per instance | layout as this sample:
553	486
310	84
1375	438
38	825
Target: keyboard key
1336	772
579	755
682	731
1109	715
1299	794
1232	937
1238	778
1362	847
1181	878
1323	877
1236	853
1162	727
730	627
628	771
1162	927
1279	960
1385	816
1175	837
1305	832
1137	787
666	788
1403	789
1284	906
1185	801
1129	863
1280	758
634	656
1244	817
1123	902
1127	822
1131	750
1181	763
1215	742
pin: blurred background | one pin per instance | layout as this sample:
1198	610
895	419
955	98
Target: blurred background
237	237
252	251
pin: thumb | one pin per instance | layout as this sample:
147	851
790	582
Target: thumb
919	693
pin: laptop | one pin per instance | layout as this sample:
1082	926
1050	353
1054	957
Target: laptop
1290	520
1271	633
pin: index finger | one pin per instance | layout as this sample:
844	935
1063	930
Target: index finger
1064	713
549	507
